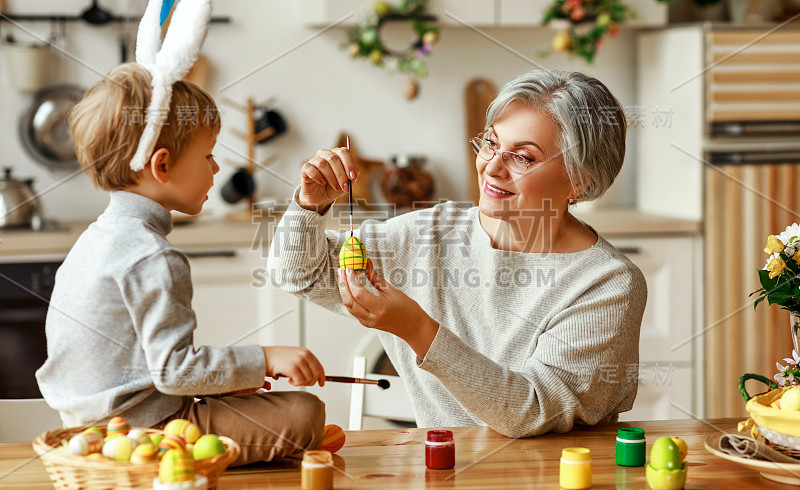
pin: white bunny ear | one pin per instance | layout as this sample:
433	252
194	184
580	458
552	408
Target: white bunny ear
148	40
186	34
172	62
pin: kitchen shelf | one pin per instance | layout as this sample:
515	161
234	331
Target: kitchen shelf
78	18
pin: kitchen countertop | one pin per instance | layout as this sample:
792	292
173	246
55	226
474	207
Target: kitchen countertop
484	459
214	233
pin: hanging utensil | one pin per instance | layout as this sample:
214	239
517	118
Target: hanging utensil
95	15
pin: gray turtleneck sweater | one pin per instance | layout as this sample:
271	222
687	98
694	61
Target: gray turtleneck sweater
120	325
527	342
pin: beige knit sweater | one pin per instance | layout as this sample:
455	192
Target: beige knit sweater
528	343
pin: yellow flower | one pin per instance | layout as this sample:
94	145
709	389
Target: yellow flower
775	267
774	245
796	257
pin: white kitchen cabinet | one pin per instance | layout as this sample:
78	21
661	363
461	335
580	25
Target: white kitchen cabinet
478	13
667	341
234	305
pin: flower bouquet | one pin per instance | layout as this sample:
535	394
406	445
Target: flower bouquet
779	282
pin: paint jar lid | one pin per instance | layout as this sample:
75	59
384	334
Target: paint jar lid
576	454
440	436
633	434
317	457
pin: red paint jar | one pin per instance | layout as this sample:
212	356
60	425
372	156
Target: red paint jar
440	450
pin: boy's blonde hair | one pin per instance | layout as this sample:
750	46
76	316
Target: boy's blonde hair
107	123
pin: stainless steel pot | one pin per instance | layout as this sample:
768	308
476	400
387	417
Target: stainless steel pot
19	205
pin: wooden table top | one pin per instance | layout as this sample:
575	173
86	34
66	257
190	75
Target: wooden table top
484	459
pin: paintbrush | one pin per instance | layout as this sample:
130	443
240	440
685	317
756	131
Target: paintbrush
382	383
350	188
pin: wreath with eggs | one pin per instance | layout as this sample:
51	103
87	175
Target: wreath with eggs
365	41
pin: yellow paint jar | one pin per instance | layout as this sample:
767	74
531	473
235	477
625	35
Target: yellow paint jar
576	468
316	471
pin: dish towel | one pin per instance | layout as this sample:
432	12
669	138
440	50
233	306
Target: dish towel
747	447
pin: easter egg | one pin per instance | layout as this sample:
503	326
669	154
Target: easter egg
172	442
665	455
175	467
85	443
117	426
182	428
790	400
144	453
207	446
139	436
96	431
682	447
332	438
156	439
353	255
118	448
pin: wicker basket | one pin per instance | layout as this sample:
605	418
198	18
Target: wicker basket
70	471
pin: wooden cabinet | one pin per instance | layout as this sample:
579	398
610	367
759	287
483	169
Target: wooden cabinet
668	353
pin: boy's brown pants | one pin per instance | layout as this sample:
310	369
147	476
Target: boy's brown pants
265	425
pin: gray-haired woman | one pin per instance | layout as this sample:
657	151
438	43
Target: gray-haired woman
512	314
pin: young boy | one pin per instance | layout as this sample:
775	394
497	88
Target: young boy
120	323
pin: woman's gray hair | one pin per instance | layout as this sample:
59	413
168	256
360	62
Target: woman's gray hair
590	120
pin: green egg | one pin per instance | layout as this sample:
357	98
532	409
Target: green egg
665	455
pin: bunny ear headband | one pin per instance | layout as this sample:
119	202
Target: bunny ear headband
168	63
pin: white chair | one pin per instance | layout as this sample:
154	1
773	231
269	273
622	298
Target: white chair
372	401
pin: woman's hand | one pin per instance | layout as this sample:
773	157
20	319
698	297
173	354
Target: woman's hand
325	178
390	311
296	363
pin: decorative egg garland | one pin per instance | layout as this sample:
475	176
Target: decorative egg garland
364	40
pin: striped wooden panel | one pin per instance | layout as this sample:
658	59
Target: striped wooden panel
744	205
753	75
740	38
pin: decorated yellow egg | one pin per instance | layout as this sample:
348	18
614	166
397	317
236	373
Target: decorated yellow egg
172	442
156	439
96	431
139	436
85	443
176	467
117	426
118	448
144	453
353	255
183	428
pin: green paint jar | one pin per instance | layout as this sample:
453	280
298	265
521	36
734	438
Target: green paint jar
631	447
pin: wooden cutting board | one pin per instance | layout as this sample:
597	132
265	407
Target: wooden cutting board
478	94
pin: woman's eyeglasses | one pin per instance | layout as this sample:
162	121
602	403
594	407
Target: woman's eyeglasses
487	149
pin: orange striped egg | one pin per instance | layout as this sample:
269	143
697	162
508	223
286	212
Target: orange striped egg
183	428
85	443
117	426
332	438
171	442
353	255
118	448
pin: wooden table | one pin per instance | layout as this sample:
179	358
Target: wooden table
484	459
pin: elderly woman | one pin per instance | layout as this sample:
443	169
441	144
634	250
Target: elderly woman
512	314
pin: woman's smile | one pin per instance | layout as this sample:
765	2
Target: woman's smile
496	192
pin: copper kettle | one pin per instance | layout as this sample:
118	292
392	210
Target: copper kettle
19	205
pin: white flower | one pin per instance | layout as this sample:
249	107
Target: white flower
790	236
795	359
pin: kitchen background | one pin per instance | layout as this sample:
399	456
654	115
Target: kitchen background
656	212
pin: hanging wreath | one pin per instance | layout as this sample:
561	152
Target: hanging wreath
582	24
364	40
